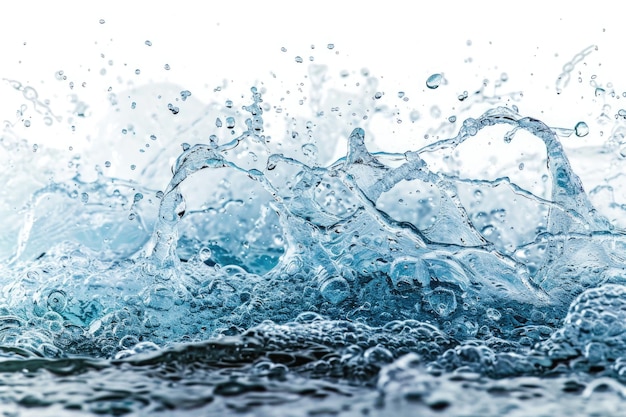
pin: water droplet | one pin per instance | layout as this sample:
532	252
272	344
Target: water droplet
434	81
462	96
184	94
283	49
35	147
299	60
452	119
331	46
166	67
137	197
84	197
173	108
521	166
504	77
137	71
310	150
27	123
230	122
107	164
218	122
101	21
581	129
132	167
148	43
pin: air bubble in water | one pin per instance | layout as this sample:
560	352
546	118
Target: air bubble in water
335	289
205	254
493	314
581	129
442	301
434	81
57	301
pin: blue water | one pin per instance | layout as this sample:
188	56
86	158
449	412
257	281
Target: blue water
260	275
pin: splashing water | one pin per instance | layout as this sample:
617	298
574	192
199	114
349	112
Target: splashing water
268	273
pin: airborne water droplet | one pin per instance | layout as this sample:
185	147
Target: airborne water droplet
581	129
434	81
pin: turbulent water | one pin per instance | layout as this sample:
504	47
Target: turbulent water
298	272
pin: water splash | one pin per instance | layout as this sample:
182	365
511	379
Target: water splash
295	269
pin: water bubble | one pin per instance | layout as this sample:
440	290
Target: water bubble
148	43
434	81
462	96
504	77
101	21
581	129
204	254
414	115
283	49
159	298
138	197
230	122
27	123
107	164
166	67
331	46
137	71
521	166
378	95
493	314
442	301
35	147
132	167
30	93
57	301
84	197
335	289
299	60
452	119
